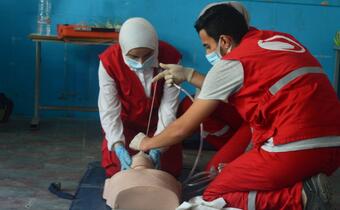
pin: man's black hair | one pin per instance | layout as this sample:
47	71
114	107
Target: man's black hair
220	20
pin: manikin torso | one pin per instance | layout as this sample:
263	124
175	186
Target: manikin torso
142	187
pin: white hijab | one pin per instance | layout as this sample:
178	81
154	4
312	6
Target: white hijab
137	32
237	5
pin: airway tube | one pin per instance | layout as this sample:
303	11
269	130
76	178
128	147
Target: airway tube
201	178
192	180
150	114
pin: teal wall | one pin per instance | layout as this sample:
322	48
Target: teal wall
69	74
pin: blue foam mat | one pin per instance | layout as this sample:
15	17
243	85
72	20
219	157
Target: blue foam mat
90	190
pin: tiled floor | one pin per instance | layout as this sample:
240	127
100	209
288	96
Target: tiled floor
31	160
59	151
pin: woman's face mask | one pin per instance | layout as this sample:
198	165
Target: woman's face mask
140	59
138	66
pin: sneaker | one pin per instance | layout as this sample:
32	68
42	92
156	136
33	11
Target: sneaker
318	192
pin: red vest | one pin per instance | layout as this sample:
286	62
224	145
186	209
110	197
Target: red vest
306	107
224	115
135	105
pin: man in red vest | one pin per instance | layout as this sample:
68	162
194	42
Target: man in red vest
224	129
280	89
130	103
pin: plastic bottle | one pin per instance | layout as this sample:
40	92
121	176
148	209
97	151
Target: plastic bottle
44	17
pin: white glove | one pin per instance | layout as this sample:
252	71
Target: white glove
135	143
174	73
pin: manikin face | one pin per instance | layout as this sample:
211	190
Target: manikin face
211	45
140	54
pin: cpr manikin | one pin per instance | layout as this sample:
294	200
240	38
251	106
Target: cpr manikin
142	187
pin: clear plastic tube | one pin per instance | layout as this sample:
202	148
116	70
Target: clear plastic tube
201	139
192	180
192	171
150	114
201	178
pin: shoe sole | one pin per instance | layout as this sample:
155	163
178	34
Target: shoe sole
322	182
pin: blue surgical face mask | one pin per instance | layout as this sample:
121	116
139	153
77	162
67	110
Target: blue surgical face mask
213	57
137	66
216	56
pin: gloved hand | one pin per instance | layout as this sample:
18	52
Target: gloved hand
136	141
123	156
174	73
155	155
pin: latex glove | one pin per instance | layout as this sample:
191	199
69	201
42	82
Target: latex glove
174	73
155	155
136	141
123	156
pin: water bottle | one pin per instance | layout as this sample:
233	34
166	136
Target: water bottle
44	17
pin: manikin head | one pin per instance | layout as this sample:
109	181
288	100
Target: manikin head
139	43
142	187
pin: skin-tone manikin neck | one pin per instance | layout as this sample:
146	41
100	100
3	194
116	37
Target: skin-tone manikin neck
140	54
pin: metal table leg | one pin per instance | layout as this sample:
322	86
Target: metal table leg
336	70
35	120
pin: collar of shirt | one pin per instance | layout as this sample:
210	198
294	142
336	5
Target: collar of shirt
145	78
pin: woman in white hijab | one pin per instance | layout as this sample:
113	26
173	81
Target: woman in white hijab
129	102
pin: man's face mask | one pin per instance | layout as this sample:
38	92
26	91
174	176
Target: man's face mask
213	57
216	56
137	66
